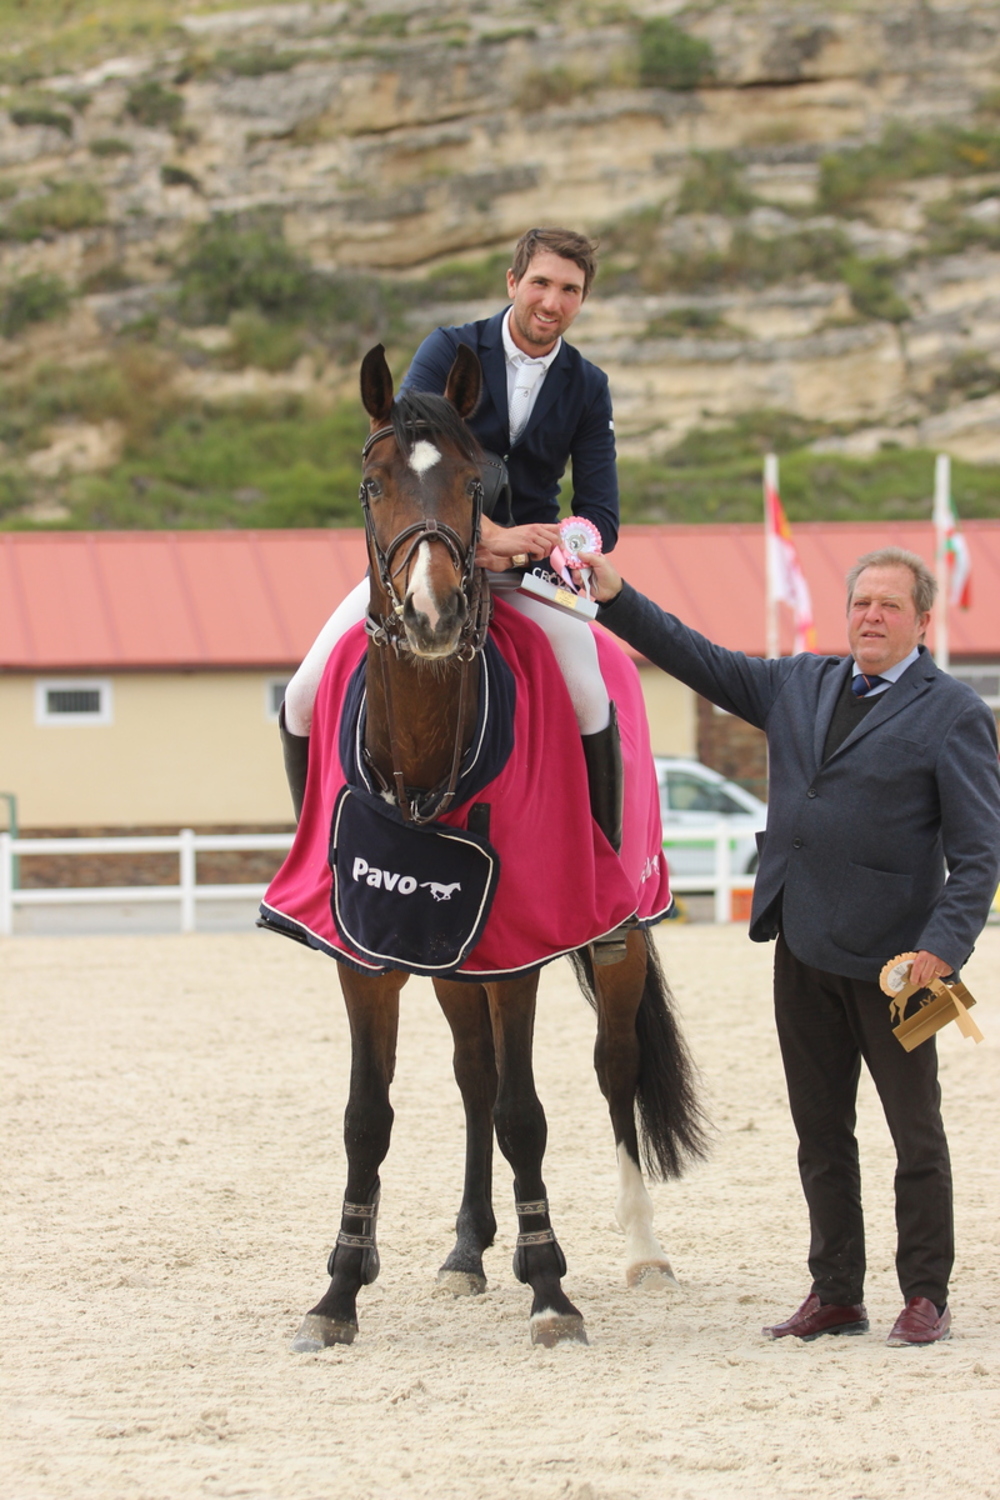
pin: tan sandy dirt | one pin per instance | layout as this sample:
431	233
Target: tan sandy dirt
174	1169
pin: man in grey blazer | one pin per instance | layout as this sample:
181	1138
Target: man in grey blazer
882	771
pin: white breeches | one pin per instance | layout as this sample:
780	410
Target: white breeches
573	644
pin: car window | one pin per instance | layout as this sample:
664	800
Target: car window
687	793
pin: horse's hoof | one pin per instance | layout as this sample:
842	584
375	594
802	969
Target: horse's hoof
461	1283
317	1332
653	1276
551	1328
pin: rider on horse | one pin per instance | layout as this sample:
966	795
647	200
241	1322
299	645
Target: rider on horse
543	406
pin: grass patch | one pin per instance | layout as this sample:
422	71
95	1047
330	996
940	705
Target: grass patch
714	184
716	476
261	343
636	264
44	115
110	145
559	85
184	466
691	322
35	298
850	178
669	58
150	104
64	207
257	62
174	176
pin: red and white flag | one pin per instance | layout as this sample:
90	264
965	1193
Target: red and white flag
786	582
952	548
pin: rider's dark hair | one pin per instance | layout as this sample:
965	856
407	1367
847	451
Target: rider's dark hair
563	242
418	414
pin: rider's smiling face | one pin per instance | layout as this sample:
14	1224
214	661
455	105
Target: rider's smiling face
546	300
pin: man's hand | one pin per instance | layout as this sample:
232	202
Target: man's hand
605	584
499	545
927	966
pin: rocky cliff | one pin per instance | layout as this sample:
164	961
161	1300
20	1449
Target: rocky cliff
799	207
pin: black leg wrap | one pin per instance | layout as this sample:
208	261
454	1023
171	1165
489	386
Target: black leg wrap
357	1232
295	749
535	1236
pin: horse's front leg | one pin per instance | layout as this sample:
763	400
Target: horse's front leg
521	1131
373	1011
468	1014
617	1059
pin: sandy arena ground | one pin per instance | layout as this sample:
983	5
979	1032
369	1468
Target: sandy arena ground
174	1169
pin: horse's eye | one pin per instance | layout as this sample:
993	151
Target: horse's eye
373	488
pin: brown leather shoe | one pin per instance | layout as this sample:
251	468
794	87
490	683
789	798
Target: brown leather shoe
920	1323
815	1317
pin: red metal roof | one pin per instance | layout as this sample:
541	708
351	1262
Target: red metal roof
85	601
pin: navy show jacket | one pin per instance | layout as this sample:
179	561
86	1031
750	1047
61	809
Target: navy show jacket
571	421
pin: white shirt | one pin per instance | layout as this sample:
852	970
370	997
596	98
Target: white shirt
891	674
525	375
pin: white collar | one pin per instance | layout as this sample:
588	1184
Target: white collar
516	356
893	674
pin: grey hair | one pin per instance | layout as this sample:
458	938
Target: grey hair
924	582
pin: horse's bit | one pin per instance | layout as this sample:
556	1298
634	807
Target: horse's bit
389	630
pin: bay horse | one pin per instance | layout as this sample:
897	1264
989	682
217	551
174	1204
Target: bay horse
421	493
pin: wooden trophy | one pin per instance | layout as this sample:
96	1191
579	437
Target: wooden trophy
943	1000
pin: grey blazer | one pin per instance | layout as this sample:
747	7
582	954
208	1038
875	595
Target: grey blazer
852	864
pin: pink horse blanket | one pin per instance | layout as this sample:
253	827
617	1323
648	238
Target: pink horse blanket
561	885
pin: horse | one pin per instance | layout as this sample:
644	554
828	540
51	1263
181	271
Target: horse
422	494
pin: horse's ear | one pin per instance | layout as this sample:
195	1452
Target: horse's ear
376	384
465	382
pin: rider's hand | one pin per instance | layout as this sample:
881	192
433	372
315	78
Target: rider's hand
605	584
499	545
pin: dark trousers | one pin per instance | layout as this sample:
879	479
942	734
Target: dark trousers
826	1025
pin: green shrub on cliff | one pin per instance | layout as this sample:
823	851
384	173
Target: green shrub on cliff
63	207
31	299
669	58
848	178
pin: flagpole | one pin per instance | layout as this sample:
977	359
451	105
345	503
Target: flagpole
942	524
771	583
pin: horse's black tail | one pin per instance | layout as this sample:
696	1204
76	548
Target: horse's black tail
673	1128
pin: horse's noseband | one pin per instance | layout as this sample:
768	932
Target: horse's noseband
389	629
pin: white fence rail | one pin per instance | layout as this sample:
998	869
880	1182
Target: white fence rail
187	845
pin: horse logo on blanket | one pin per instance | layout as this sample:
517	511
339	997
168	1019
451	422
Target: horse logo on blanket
520	822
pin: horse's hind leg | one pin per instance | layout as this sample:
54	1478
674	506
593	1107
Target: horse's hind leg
468	1014
521	1132
373	1011
617	1059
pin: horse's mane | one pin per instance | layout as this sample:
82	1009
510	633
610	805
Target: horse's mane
418	414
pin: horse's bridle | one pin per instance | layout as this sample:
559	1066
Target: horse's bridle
389	630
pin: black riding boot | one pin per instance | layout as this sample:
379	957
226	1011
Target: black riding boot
605	779
295	749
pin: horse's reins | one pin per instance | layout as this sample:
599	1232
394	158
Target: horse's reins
389	630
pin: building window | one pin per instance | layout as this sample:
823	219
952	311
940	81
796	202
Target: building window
275	695
984	680
79	700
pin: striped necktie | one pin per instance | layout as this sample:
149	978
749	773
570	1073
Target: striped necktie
863	685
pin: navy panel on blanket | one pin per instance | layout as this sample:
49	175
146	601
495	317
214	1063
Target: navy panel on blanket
410	896
489	750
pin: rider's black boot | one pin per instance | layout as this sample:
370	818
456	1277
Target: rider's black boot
295	749
605	779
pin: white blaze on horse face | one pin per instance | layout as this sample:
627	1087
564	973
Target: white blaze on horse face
421	590
424	457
